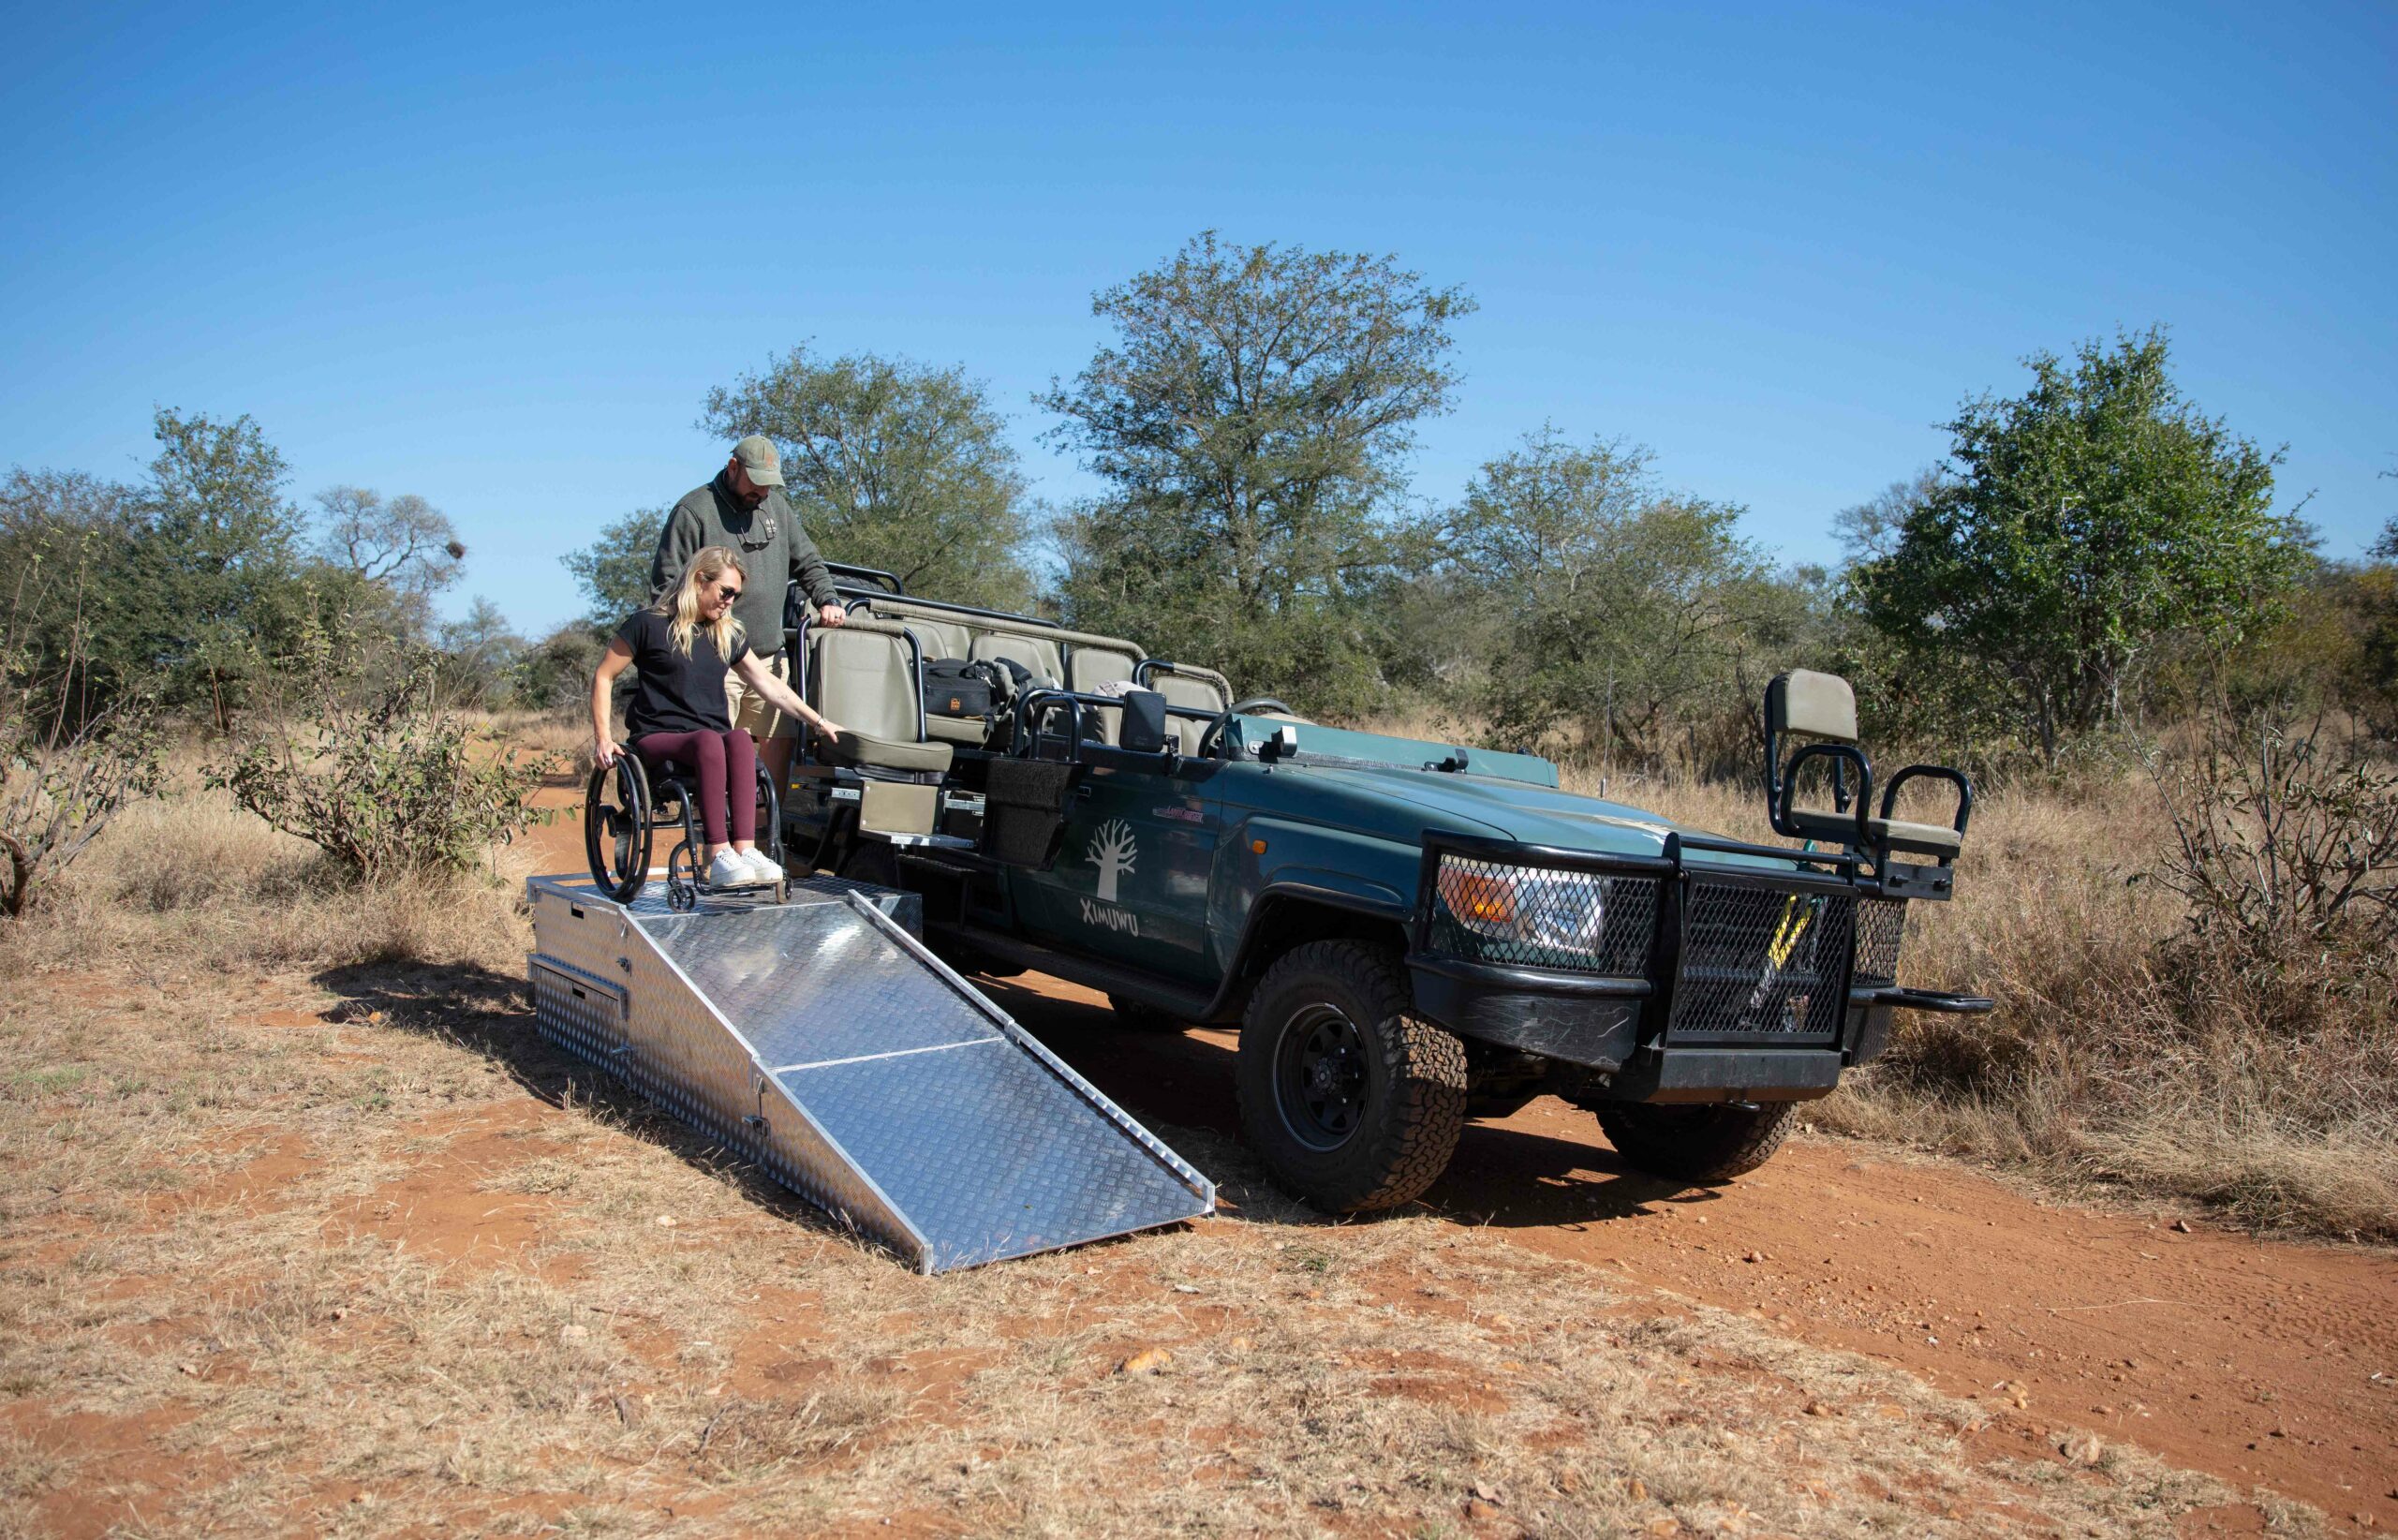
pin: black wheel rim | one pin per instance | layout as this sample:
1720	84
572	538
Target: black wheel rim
1322	1080
615	828
682	877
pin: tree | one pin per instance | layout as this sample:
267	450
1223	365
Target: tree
479	657
1622	604
68	762
405	545
2374	683
613	571
555	674
1873	530
1253	417
214	584
2079	526
63	537
892	464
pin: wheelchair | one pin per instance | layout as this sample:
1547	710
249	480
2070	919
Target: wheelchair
622	812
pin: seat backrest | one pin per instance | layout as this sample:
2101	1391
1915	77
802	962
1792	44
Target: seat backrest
1188	685
1040	656
943	633
1820	705
1090	666
863	676
1087	667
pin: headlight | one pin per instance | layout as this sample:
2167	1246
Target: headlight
1540	917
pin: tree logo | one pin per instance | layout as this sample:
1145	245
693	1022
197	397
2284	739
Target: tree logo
1112	852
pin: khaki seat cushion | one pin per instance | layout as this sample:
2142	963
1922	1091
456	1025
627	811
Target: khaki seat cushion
1200	689
1092	666
856	748
969	730
1820	705
941	638
1914	838
865	680
1088	667
941	635
1039	656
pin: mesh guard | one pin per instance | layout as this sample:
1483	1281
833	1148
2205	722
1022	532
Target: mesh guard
1762	964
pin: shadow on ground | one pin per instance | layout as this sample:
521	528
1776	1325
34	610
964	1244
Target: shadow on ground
1505	1175
489	1014
1178	1084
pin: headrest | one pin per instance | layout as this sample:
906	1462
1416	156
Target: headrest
1821	705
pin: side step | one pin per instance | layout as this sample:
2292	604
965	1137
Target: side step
822	1041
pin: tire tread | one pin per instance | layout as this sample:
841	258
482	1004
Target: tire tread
1421	1060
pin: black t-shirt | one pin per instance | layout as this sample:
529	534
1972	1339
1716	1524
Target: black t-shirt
674	692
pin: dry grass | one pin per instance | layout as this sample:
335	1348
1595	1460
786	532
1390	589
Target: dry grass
191	882
2115	1054
303	1230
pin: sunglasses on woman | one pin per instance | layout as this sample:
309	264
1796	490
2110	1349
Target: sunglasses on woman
729	590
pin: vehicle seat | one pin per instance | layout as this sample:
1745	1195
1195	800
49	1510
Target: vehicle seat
1823	706
865	680
1088	668
1038	655
1188	684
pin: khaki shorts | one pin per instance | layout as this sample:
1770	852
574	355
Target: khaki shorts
754	711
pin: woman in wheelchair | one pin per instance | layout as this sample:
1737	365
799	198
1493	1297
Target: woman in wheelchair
681	648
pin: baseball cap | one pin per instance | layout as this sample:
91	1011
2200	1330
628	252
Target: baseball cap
759	461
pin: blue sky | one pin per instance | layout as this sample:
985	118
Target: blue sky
495	256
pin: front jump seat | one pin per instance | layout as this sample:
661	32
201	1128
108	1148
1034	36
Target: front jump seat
867	682
1823	706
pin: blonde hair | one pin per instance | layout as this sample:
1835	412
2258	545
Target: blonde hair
682	606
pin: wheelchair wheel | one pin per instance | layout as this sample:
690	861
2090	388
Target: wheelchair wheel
615	827
682	878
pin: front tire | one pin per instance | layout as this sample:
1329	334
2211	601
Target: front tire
1354	1100
1695	1144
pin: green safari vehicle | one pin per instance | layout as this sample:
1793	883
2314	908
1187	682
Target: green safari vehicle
1407	934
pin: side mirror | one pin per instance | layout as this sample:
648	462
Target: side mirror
1143	729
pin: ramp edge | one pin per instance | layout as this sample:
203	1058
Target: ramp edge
763	1079
1159	1151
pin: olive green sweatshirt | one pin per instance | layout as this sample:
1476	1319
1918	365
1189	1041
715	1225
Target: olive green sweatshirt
773	548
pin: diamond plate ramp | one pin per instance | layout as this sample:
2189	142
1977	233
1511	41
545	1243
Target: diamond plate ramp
822	1040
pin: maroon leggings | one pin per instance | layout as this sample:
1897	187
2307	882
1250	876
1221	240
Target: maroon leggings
721	766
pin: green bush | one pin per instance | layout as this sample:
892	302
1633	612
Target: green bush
384	777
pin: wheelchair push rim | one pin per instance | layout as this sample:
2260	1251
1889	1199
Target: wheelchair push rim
615	827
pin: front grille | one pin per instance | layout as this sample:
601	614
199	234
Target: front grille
1881	926
1543	917
1761	962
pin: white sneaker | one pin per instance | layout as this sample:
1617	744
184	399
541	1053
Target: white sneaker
728	870
760	868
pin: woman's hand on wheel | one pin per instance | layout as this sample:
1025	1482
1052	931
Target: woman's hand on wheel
606	752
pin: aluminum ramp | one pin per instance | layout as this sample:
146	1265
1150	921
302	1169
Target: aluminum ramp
822	1039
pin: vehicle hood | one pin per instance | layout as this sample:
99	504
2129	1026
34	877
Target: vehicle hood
1396	788
1507	809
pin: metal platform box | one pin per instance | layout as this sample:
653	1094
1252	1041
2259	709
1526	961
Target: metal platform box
821	1039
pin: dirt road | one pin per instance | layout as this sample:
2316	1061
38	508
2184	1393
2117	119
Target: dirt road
2258	1362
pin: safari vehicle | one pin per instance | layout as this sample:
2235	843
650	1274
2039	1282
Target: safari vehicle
1408	934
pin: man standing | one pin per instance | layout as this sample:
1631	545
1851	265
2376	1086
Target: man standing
743	509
